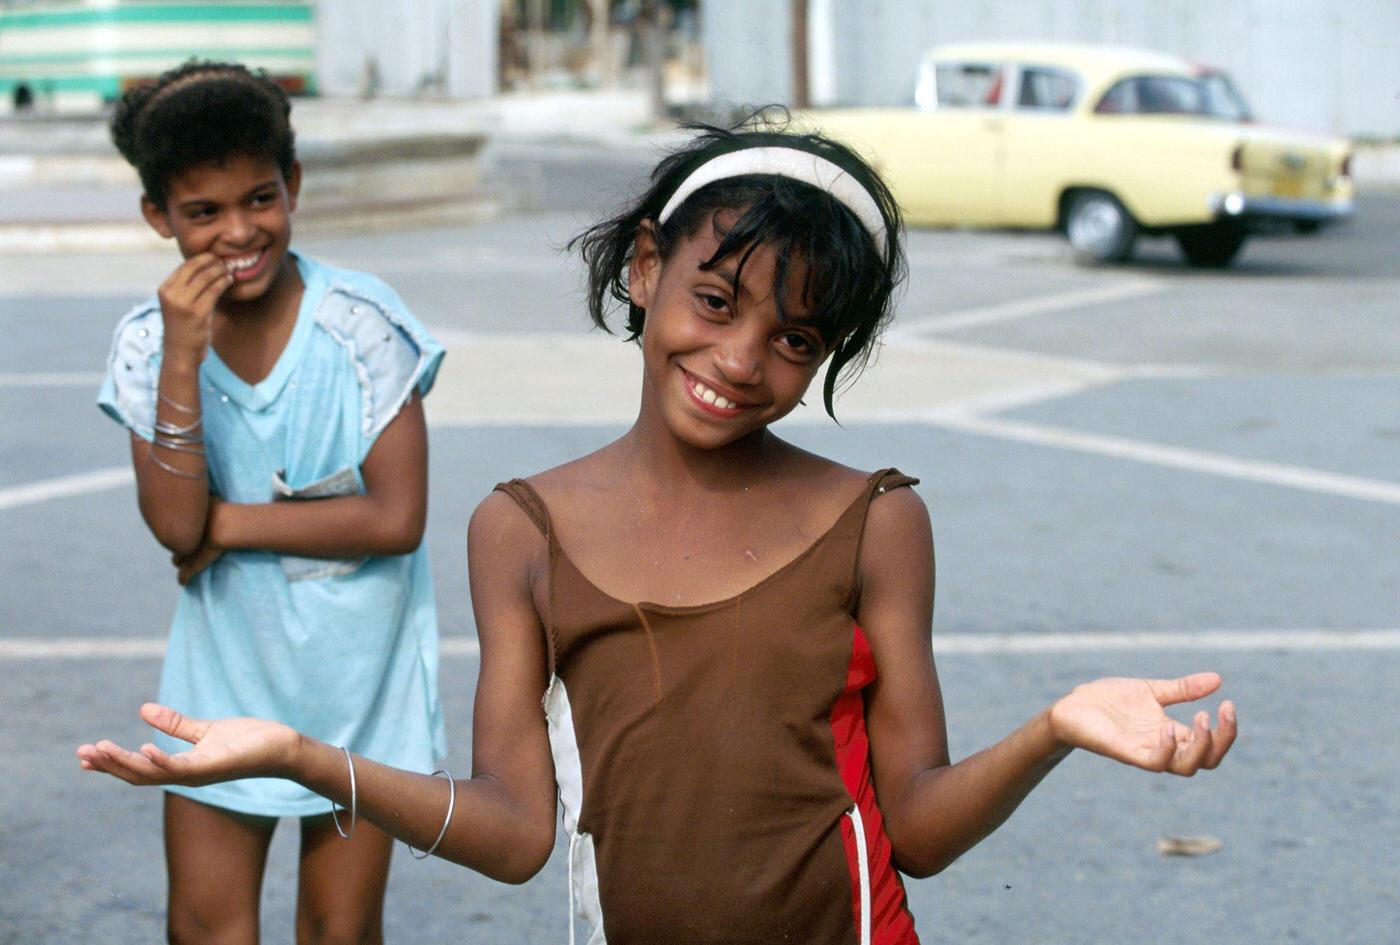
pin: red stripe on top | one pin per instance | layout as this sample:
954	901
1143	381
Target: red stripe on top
891	922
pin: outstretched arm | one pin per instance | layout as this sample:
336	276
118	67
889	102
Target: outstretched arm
934	810
503	819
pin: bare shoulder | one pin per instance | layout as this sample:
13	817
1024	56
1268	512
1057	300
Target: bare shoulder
897	516
501	532
587	481
805	473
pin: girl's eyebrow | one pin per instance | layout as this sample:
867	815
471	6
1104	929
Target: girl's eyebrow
270	182
202	201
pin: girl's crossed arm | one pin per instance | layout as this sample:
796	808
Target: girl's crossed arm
936	811
386	519
503	816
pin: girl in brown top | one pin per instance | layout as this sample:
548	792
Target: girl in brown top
730	636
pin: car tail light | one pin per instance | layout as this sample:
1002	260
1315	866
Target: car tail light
1237	158
1346	166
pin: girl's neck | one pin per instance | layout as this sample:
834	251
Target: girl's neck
250	336
650	454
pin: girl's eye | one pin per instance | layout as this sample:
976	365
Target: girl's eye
201	213
798	346
713	303
262	200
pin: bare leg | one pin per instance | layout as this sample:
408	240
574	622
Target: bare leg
340	898
215	860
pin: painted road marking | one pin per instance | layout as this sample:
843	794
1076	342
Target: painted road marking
52	379
1026	308
65	486
1216	464
86	648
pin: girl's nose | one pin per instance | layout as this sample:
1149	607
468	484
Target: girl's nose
239	228
740	359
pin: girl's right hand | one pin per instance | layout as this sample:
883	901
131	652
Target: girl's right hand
224	750
187	300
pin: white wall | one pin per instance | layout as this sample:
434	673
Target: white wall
1326	65
447	44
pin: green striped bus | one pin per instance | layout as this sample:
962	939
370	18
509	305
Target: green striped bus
75	55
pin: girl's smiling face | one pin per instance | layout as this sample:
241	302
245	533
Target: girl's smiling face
720	360
238	209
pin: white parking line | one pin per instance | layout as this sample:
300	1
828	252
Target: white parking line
87	648
64	486
52	379
1277	474
1025	308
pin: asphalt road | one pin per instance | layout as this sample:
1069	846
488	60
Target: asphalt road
1141	470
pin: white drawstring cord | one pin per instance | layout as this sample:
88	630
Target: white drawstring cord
573	841
863	862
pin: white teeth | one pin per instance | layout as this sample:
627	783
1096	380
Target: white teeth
238	265
710	397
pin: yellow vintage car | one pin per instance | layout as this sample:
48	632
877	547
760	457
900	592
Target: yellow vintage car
1102	143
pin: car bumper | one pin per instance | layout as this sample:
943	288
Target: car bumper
1247	208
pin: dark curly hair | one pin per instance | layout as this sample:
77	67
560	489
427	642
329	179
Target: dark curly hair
198	113
850	284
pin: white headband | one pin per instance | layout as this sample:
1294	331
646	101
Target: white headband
787	162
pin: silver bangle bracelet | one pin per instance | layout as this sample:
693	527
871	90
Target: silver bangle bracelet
354	800
451	803
178	406
151	455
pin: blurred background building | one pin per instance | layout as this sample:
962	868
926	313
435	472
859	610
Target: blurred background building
71	55
1327	65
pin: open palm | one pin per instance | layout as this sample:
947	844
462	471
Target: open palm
1124	719
224	750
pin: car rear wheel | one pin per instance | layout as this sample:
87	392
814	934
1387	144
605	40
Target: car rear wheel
1212	247
1100	229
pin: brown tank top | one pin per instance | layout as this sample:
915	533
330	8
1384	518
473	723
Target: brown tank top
711	759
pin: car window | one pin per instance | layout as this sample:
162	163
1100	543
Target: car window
1047	89
1211	94
959	85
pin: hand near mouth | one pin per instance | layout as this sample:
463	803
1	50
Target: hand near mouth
187	300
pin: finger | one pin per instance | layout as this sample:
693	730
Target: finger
1158	756
180	765
1194	748
127	765
1224	735
1185	688
207	288
183	575
196	265
171	722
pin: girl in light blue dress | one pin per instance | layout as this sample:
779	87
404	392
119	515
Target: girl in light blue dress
280	450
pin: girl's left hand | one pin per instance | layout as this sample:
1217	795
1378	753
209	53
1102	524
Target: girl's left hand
188	566
224	750
1123	719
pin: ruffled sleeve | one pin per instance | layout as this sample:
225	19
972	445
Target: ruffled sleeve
392	353
128	393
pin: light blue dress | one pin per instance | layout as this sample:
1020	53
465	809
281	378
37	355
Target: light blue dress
343	650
